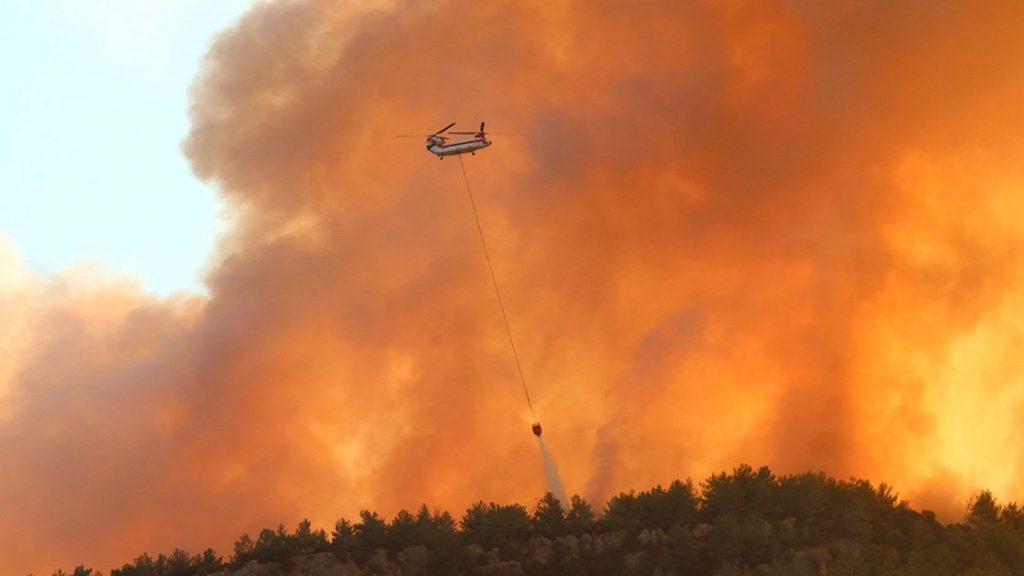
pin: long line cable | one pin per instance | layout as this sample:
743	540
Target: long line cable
497	292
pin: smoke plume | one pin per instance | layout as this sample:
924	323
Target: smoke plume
774	232
551	475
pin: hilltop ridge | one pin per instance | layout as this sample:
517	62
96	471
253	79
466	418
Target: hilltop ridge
744	523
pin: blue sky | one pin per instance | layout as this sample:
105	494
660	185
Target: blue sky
93	109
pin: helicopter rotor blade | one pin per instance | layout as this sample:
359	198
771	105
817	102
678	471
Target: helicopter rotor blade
481	131
437	134
443	129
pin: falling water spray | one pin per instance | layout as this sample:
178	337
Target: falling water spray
551	473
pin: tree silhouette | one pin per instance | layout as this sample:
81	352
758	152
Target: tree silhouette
343	539
242	551
305	540
744	492
436	530
372	532
654	508
580	516
79	571
403	531
490	524
548	517
983	509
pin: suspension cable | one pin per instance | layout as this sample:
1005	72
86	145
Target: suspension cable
497	292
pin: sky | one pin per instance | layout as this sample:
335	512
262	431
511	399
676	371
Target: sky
778	233
91	84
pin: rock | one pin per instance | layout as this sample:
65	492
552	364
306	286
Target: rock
609	542
254	568
380	565
634	562
324	564
813	556
663	571
470	555
568	546
492	556
652	538
586	545
413	560
504	568
540	550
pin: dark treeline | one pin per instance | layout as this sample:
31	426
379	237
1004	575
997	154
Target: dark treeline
749	522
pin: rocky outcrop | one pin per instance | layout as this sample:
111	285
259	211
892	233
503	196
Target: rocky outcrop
631	555
537	551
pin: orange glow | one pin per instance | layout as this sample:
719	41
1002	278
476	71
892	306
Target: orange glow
725	232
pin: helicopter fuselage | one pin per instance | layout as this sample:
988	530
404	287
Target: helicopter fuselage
436	145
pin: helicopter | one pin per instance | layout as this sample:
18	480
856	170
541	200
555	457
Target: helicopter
438	144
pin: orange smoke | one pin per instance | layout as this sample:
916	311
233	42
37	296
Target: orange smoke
766	232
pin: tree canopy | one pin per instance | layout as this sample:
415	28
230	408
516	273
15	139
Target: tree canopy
745	522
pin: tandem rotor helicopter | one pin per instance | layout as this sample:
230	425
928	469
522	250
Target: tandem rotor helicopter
438	144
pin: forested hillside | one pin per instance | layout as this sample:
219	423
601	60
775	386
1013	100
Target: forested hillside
749	522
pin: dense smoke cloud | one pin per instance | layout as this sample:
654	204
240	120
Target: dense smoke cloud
780	233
